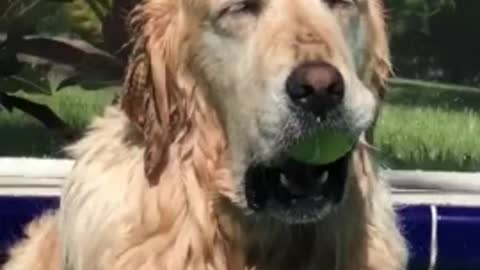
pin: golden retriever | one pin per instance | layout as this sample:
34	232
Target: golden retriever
189	171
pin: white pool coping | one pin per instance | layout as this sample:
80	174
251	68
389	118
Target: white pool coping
44	177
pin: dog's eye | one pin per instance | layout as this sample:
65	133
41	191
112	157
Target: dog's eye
336	3
237	17
240	7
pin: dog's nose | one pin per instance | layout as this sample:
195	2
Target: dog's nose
316	87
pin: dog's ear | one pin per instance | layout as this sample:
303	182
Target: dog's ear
378	68
151	97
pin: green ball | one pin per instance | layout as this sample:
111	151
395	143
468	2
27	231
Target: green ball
322	147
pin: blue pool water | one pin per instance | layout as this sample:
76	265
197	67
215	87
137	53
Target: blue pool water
457	231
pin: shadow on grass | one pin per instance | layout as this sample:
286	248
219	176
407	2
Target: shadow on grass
435	98
28	139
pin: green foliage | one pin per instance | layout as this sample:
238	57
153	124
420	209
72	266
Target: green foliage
436	40
41	38
21	135
416	13
54	63
85	18
28	80
29	16
48	45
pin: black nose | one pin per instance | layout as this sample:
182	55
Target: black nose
316	87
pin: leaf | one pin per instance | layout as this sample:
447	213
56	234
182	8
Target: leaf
89	82
61	1
76	54
84	20
28	14
72	61
40	112
9	64
29	79
62	62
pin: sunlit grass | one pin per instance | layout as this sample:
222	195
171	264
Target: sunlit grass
429	138
418	129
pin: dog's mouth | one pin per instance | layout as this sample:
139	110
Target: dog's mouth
295	192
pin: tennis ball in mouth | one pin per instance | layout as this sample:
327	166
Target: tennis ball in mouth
322	147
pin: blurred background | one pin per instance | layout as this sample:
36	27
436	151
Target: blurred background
61	62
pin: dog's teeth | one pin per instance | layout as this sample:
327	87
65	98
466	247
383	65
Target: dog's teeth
284	181
318	119
324	177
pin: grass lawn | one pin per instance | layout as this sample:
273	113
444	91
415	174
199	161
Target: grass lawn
418	129
430	129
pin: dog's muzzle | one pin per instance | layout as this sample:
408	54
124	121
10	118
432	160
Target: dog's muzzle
295	192
292	191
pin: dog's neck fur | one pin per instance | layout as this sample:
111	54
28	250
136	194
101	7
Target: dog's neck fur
179	223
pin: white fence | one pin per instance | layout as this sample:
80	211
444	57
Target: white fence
44	177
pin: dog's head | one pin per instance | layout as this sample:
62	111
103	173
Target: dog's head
271	71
